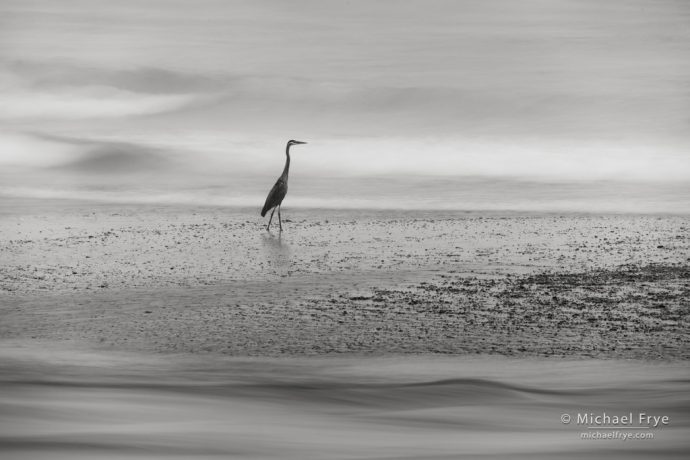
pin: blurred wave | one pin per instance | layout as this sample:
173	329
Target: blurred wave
44	92
53	74
66	404
117	159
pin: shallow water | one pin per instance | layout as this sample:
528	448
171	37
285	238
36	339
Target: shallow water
66	403
384	192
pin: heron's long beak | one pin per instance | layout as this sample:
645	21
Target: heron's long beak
300	142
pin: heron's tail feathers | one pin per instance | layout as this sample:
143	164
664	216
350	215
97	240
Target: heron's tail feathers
265	210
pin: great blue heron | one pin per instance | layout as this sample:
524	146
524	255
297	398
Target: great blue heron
279	190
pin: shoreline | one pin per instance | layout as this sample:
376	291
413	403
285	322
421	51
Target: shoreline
16	205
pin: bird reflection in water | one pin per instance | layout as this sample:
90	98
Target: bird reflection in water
276	251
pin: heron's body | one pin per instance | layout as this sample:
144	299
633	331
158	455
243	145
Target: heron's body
277	194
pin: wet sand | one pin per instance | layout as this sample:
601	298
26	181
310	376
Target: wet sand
178	279
145	332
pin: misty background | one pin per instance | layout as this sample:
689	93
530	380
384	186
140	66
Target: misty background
533	105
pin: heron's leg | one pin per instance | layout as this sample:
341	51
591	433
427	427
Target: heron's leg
280	219
269	220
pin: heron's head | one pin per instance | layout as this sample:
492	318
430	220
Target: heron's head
293	142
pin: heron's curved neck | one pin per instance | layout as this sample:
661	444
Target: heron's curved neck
287	162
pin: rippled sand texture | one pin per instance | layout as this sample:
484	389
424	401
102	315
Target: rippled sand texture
176	279
61	403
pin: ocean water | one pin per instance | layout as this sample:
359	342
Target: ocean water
555	106
470	193
51	167
123	405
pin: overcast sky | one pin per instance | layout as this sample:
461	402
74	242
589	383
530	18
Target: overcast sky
548	86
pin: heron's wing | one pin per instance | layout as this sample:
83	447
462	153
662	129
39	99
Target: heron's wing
275	196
